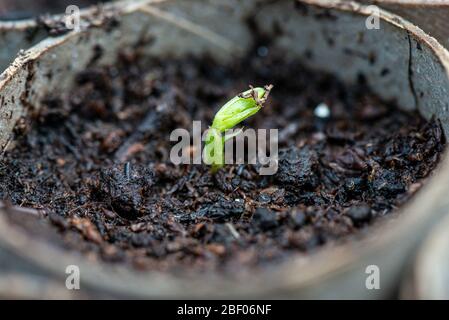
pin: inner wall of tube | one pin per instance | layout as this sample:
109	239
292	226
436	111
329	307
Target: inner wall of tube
11	10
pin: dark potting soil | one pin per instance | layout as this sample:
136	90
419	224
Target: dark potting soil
98	165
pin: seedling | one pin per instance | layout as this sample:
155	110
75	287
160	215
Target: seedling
231	114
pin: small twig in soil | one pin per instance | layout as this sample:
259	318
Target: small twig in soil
234	232
127	170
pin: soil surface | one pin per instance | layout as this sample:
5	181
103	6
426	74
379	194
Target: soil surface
97	164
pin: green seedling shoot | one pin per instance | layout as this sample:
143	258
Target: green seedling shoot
231	114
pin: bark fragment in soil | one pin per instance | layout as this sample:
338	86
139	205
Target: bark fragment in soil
98	165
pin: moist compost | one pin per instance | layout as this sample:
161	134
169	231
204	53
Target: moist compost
97	165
